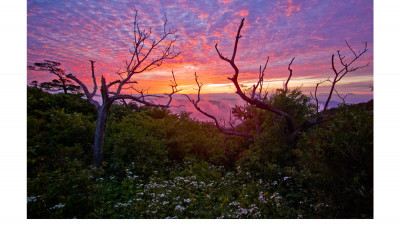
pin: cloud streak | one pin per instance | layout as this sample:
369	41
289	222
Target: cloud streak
73	32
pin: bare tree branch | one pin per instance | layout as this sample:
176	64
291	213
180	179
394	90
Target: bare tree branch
315	97
88	95
343	98
257	103
94	79
341	73
221	128
260	81
285	86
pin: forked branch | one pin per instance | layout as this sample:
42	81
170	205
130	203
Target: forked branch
221	128
346	68
252	101
285	86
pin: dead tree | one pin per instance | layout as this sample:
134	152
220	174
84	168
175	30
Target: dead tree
259	100
146	54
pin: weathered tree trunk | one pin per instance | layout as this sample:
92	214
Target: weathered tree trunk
65	89
100	133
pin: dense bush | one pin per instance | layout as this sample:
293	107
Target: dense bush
161	165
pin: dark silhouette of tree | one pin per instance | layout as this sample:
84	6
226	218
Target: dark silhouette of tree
258	99
147	53
62	83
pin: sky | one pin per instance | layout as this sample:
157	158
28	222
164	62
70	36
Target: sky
74	32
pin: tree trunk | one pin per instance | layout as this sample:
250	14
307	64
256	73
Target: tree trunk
100	133
65	89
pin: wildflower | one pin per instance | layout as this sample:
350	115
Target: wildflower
186	200
261	196
243	211
32	199
180	208
161	195
165	202
257	214
235	203
122	204
285	178
58	206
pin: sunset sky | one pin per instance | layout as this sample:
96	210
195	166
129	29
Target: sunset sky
74	32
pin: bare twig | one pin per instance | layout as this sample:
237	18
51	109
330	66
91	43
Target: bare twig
221	128
285	86
346	68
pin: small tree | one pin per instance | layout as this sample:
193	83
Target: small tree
146	54
257	98
62	83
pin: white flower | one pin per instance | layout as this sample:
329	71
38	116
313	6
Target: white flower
243	211
32	199
161	195
235	203
58	206
180	208
261	196
186	200
165	202
285	178
122	204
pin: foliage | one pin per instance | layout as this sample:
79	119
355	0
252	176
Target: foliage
340	154
56	85
162	165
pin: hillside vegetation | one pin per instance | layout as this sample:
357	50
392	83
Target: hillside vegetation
161	165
